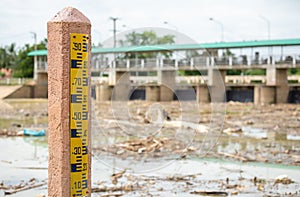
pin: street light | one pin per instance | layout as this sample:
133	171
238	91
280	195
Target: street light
35	57
114	19
222	28
268	25
171	25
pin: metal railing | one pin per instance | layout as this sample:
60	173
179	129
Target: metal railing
187	63
229	79
14	81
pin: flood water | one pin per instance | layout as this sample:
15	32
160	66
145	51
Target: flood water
26	158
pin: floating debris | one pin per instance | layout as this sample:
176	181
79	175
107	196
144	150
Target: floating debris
210	193
283	179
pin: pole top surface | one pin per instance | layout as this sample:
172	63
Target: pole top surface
70	14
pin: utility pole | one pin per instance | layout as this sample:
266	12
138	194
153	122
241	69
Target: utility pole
114	19
35	57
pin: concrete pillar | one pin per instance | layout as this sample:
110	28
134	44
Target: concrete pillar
216	83
41	86
279	78
60	172
264	94
103	92
121	90
152	93
202	93
115	76
167	82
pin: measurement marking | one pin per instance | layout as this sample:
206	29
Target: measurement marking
85	64
76	63
79	55
84	184
85	81
79	90
84	150
85	47
84	73
76	98
79	115
78	125
76	133
76	167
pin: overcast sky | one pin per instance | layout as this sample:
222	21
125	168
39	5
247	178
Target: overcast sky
242	20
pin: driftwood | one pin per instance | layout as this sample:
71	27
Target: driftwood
243	159
125	188
112	194
208	193
143	145
114	177
9	192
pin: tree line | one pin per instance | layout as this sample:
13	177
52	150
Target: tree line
18	60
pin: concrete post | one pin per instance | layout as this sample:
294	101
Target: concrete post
192	63
230	60
294	60
207	62
167	82
128	64
67	21
249	60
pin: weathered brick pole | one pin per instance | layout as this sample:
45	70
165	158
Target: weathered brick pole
69	170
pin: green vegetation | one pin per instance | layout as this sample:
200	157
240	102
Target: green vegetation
146	38
294	71
17	60
255	72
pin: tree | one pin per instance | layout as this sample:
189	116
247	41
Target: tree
24	63
8	56
143	39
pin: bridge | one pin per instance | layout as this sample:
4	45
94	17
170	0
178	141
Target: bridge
159	75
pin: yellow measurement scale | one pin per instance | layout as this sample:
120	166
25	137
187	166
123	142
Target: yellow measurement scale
79	114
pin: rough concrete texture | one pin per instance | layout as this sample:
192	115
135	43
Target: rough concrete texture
103	92
167	82
282	89
121	90
68	20
279	78
202	93
264	94
152	93
216	82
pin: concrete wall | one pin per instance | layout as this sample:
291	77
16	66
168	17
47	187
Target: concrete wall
26	91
